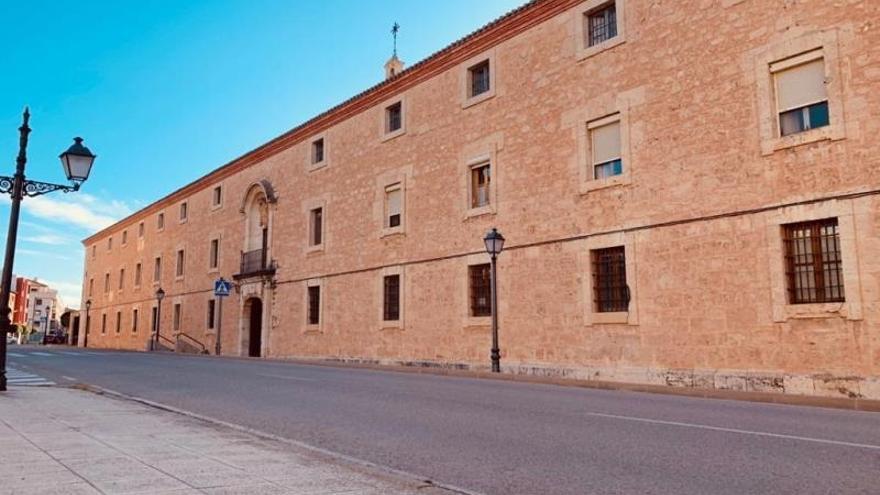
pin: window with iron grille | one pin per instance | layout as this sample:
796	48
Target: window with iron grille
480	180
211	304
480	289
813	262
391	309
314	316
316	221
610	292
479	79
394	117
318	150
601	24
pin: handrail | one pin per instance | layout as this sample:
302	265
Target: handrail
182	334
166	339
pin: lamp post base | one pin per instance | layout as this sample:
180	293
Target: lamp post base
496	360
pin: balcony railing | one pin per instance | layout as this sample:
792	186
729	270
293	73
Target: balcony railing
255	262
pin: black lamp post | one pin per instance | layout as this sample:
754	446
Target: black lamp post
88	323
77	162
494	244
160	294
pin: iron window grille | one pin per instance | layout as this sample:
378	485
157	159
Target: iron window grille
813	262
610	292
601	24
314	316
391	309
480	285
479	78
394	117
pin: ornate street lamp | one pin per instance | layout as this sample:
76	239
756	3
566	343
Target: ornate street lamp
160	294
88	323
77	162
494	245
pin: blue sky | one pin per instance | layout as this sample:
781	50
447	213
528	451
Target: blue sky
166	90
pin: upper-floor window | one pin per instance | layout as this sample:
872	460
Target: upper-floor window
479	79
214	254
480	289
160	221
124	237
157	269
316	226
479	184
180	263
109	243
391	298
134	320
183	211
393	206
121	278
394	117
814	267
104	323
141	229
217	197
91	286
601	24
106	282
137	275
610	291
605	146
801	97
317	151
314	309
94	251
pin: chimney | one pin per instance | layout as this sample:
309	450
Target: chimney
393	67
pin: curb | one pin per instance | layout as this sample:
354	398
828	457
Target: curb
421	481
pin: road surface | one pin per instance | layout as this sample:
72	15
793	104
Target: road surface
501	437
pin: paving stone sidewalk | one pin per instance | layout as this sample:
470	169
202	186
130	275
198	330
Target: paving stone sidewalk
57	440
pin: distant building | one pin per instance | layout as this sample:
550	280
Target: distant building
36	305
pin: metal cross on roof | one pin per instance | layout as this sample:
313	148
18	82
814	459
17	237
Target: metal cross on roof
394	29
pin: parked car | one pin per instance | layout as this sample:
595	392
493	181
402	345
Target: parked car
56	337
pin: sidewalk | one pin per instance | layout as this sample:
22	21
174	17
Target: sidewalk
66	441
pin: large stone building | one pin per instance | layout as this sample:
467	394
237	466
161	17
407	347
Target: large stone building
689	196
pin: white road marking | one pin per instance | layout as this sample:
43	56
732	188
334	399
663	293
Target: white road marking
285	377
24	379
68	378
15	354
47	354
72	353
736	430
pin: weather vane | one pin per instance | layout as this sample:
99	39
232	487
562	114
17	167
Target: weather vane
394	30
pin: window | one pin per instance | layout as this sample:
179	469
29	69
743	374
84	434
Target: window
394	117
391	299
106	282
141	229
91	286
610	292
160	221
137	275
180	260
218	196
109	243
38	302
479	80
157	269
393	206
316	226
214	255
801	98
314	313
318	151
104	323
176	320
480	290
134	321
121	278
210	321
124	237
813	262
183	212
94	251
480	178
601	24
605	147
118	321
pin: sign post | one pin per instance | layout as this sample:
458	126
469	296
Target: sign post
221	290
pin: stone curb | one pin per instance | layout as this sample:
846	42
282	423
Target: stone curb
422	481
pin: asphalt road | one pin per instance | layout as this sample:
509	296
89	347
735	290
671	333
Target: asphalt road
500	437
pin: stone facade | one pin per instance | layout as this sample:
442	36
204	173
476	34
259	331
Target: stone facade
706	185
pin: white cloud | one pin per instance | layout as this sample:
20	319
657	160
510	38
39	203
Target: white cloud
70	292
83	210
51	239
45	254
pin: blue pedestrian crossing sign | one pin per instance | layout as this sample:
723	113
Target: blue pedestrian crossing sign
222	287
